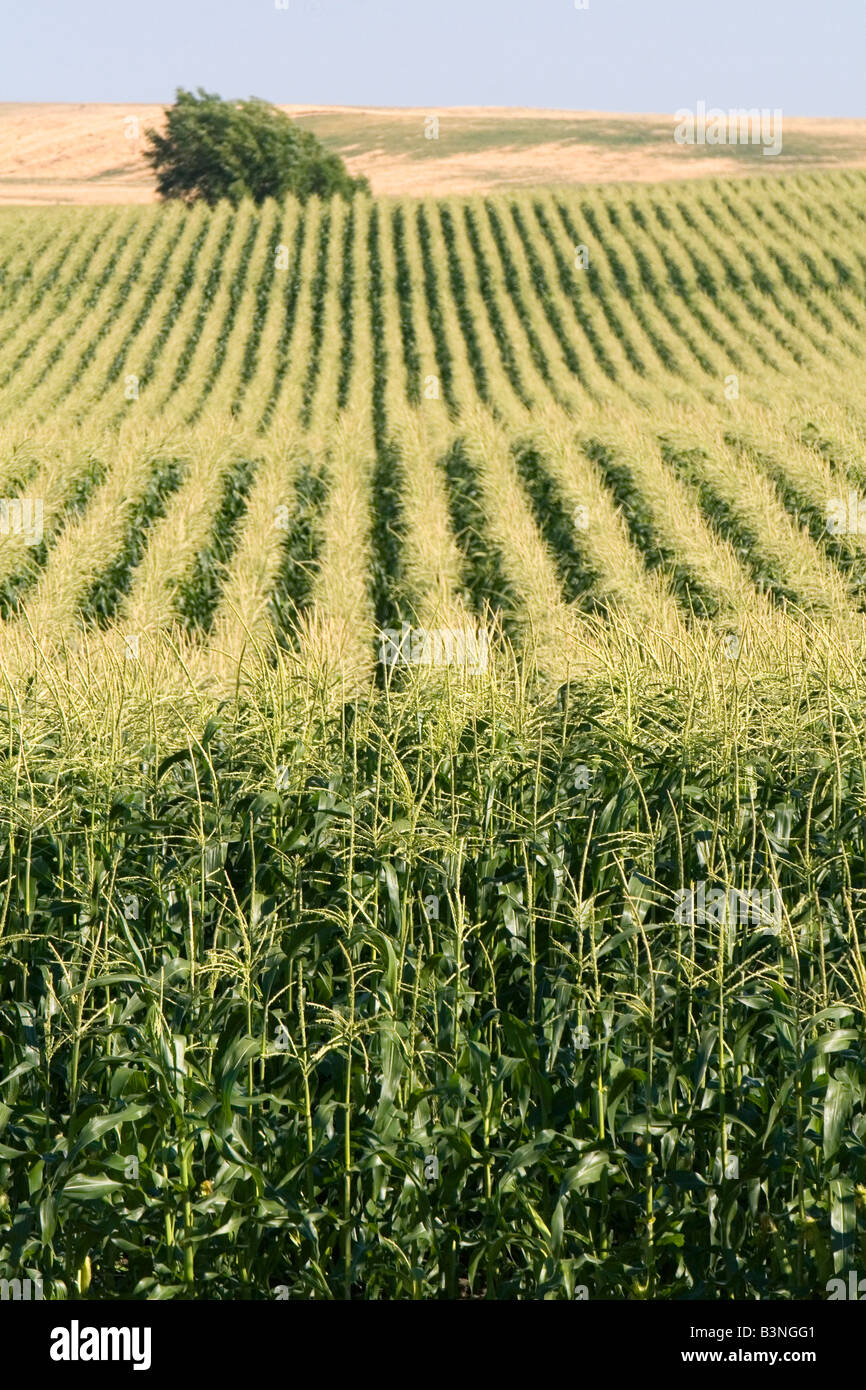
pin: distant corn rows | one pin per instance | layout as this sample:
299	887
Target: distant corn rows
295	427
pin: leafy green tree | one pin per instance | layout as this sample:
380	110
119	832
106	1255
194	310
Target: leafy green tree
216	149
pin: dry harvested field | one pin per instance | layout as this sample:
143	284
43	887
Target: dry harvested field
89	154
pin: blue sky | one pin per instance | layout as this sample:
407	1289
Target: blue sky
805	56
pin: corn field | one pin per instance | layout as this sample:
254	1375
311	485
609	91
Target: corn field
432	790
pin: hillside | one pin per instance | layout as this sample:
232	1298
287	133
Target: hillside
442	387
89	154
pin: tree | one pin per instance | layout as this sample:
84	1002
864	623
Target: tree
216	149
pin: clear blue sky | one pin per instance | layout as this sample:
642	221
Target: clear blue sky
806	56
